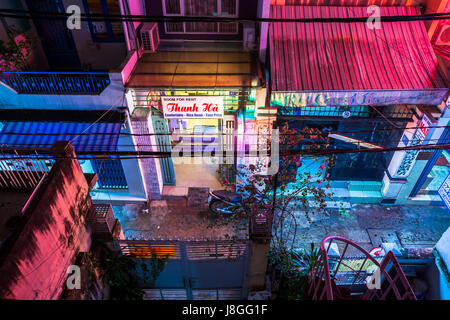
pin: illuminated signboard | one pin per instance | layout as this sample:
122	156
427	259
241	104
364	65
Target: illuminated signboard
424	127
210	107
444	191
357	97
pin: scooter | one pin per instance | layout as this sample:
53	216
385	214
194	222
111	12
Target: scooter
227	202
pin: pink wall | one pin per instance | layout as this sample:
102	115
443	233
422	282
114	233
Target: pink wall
54	233
136	8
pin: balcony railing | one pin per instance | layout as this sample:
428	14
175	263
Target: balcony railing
396	112
20	172
92	83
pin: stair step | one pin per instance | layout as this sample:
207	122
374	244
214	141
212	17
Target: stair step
365	197
365	186
339	184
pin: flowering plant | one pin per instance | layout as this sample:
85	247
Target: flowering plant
15	54
302	190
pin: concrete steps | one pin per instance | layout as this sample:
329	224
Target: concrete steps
357	191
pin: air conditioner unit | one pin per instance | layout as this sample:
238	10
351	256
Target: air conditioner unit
443	35
249	36
148	37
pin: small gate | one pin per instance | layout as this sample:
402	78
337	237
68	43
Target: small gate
162	137
195	270
110	174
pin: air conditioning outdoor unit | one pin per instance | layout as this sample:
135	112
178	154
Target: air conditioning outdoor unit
443	37
148	37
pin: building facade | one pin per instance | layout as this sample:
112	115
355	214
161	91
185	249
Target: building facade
369	86
72	89
192	64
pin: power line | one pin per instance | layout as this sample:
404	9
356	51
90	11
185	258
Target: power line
163	154
209	134
49	15
214	144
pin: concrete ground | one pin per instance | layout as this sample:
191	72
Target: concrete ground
366	224
171	220
192	175
370	224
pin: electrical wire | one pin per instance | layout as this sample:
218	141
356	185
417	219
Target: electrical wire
163	154
208	134
48	15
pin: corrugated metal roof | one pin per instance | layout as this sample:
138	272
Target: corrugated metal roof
35	134
350	56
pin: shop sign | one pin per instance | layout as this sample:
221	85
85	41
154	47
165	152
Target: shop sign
444	191
210	107
405	140
357	97
424	127
410	155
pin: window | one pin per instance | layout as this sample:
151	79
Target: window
172	7
104	31
201	8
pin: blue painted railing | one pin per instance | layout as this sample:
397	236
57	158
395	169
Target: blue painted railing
92	83
110	174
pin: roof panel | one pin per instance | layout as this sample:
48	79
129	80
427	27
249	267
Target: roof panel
195	69
44	134
342	56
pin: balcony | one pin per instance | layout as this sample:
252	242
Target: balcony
86	83
394	112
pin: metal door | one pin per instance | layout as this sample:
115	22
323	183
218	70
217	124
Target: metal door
110	174
195	270
217	270
56	38
162	137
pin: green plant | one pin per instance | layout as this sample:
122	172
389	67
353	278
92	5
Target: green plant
118	271
294	268
126	275
157	265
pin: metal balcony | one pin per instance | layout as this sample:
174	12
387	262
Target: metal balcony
394	112
90	83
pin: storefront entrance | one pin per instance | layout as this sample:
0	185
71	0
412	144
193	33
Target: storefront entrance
194	135
437	175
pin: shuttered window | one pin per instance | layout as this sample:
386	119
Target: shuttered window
201	8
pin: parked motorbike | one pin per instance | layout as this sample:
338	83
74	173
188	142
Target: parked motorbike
227	202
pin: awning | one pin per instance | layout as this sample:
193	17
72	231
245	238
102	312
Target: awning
195	69
348	63
44	134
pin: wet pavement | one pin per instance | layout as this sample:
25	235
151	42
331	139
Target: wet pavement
366	224
171	220
369	225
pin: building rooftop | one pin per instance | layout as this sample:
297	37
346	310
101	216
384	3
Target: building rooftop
343	56
195	69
